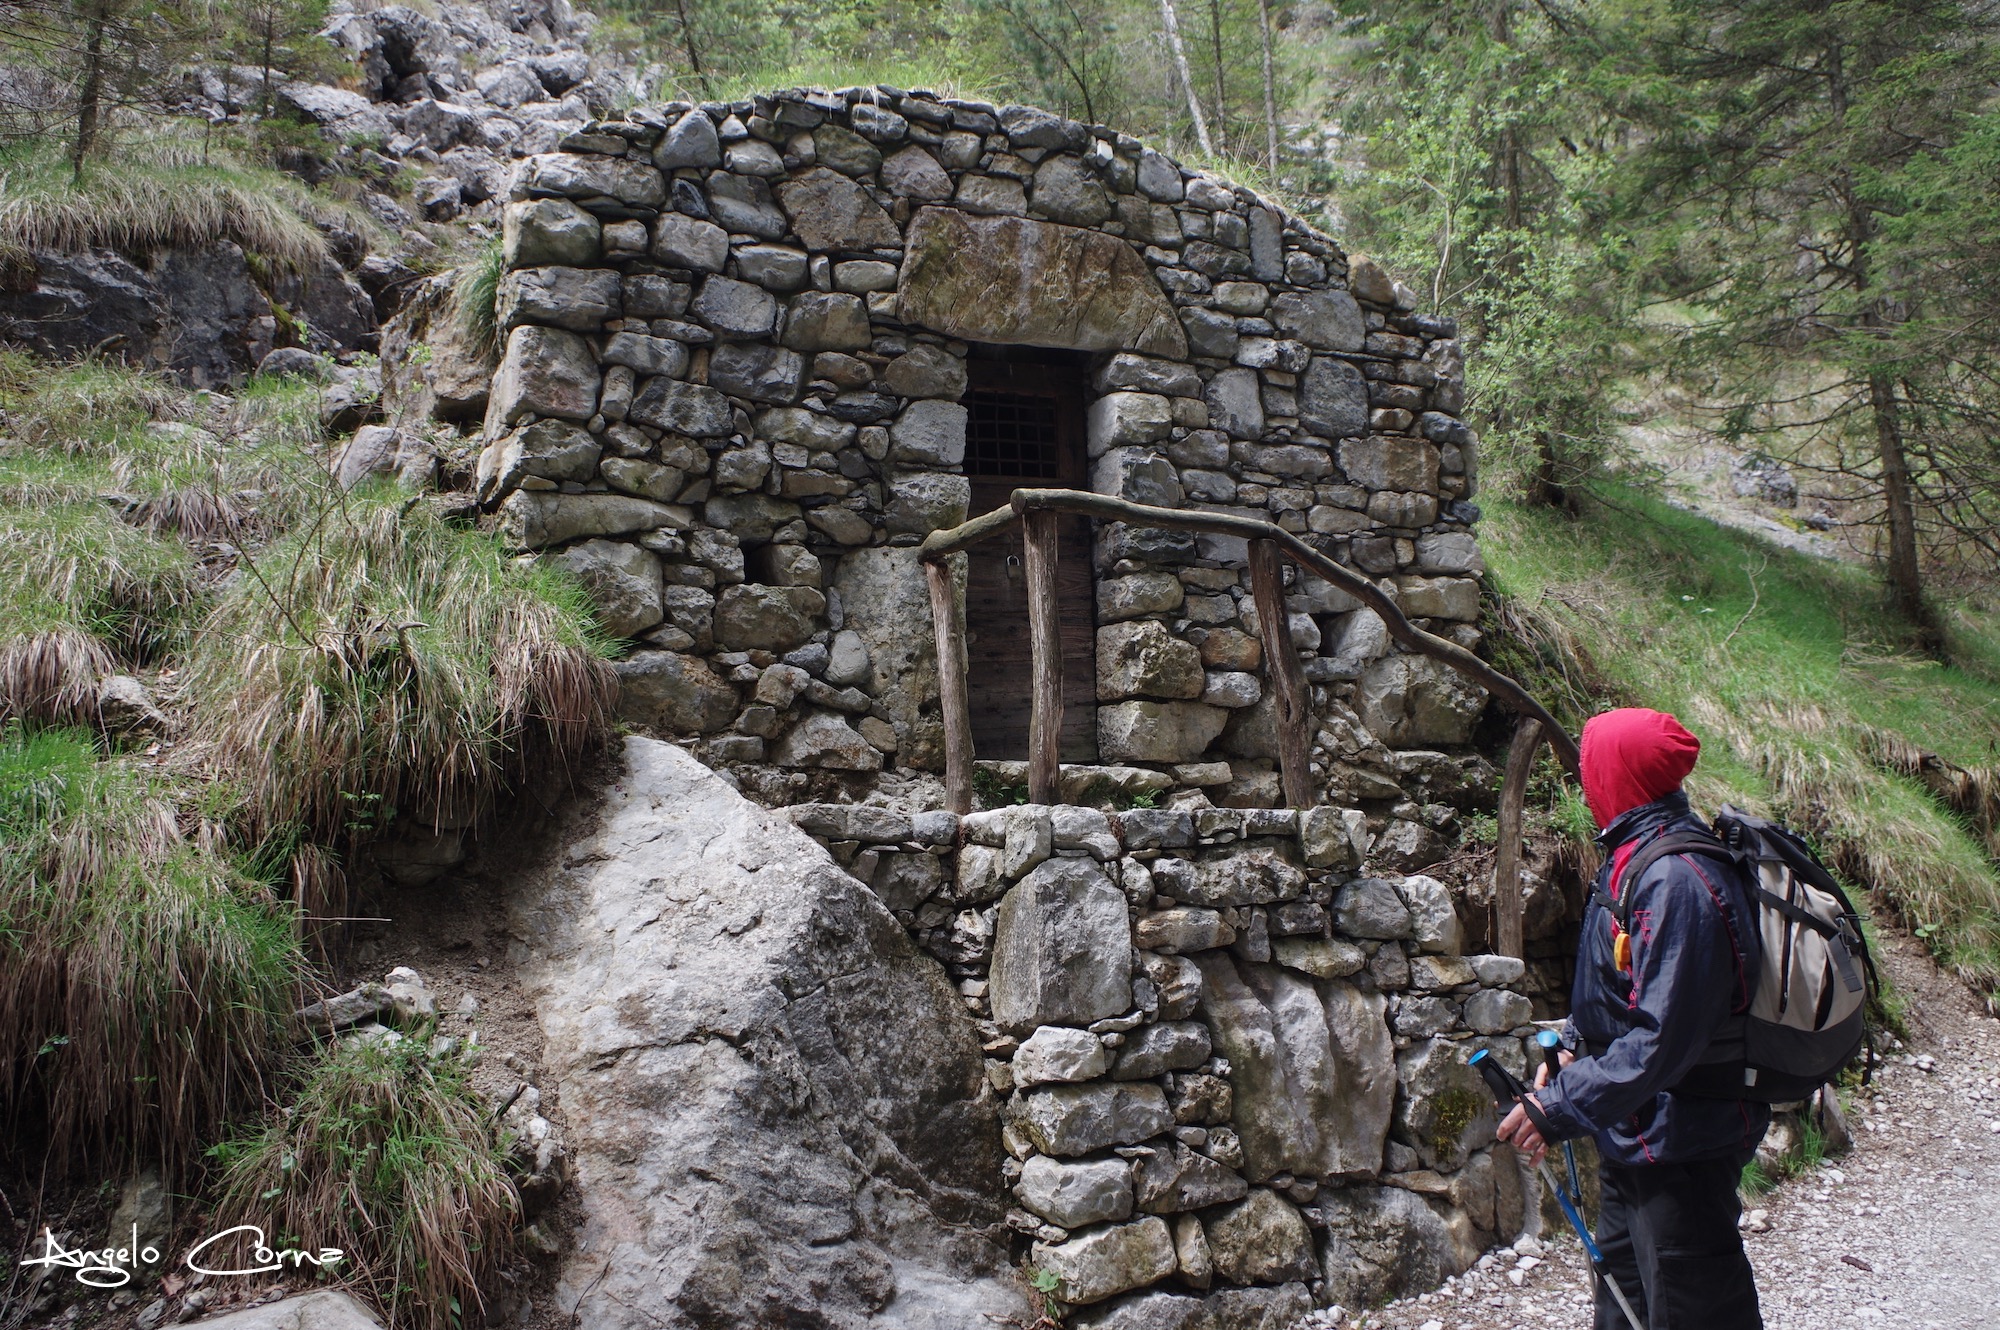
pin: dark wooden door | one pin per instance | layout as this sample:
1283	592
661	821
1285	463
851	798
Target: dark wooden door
1025	427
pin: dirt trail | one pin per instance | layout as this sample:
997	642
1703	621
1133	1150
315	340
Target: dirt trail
1903	1232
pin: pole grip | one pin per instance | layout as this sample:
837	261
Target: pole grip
1551	1043
1506	1090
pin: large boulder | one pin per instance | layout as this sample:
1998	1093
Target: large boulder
748	1149
221	323
66	305
197	313
321	1310
1310	1063
1010	279
336	313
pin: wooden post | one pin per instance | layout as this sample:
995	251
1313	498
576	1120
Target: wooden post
953	703
1507	902
1281	665
1045	644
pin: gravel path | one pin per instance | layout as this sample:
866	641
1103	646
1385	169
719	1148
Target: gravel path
1902	1232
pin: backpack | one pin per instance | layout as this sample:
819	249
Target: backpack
1806	1019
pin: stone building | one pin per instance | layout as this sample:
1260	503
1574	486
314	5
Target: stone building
755	352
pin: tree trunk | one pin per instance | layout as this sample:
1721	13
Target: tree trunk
689	45
1172	21
1508	904
90	95
1906	578
1038	555
270	25
1221	89
1270	87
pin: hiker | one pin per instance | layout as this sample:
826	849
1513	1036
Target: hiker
1645	1007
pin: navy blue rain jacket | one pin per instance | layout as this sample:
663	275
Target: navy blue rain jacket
1695	953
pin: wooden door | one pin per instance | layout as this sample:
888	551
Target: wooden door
1025	428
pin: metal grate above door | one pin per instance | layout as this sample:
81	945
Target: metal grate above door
1012	434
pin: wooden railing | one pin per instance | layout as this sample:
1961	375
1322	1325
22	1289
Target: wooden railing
1036	510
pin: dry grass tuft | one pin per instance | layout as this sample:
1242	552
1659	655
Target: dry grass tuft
1547	639
141	976
80	589
52	675
1971	792
387	1153
160	194
475	300
382	665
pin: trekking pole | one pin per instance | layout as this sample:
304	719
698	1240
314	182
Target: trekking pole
1508	1091
1551	1043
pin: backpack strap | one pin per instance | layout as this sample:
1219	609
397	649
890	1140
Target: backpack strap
1660	847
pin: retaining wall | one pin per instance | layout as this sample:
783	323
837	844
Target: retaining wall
1234	1067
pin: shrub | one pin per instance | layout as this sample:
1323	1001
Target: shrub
387	1153
142	974
377	662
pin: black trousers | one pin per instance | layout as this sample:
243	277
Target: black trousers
1668	1234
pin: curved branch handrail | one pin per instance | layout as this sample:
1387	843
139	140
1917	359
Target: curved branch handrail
939	544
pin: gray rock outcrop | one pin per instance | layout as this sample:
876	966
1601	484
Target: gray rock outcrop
776	1106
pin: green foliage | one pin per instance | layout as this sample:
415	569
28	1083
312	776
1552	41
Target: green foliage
1788	178
1046	1283
142	974
1101	61
384	653
384	1151
1485	182
105	483
277	38
476	299
992	792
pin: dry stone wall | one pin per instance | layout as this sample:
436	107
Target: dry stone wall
736	340
1235	1066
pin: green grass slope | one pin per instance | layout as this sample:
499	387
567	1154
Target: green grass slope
1791	672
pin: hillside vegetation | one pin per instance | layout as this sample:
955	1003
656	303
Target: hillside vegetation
1798	682
224	681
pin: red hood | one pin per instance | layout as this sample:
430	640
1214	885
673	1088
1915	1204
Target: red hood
1633	756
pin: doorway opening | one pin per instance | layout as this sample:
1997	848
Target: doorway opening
1025	427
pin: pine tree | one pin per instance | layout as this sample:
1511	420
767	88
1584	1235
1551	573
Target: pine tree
1785	164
